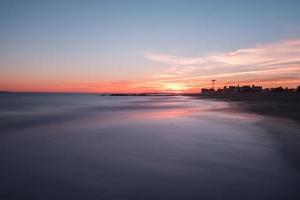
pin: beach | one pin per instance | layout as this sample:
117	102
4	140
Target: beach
87	146
282	104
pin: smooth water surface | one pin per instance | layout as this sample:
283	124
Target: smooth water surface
72	146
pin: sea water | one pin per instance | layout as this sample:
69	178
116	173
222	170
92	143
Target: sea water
88	146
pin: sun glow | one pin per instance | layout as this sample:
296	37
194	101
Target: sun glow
175	87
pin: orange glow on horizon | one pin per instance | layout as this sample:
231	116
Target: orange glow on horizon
267	65
142	86
175	87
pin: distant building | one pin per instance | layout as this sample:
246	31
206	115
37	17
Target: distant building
277	89
207	91
230	89
234	89
256	88
290	89
219	90
248	89
245	88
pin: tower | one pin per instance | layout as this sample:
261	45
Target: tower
213	83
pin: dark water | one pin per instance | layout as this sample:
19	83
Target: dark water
94	147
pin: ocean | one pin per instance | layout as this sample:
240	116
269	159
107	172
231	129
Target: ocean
88	146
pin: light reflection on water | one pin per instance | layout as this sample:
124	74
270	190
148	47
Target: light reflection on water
167	113
94	147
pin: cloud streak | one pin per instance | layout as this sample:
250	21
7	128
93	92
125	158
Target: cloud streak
275	64
279	60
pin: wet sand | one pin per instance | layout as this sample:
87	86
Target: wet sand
282	104
275	107
287	136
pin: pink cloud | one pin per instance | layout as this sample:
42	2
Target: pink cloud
262	62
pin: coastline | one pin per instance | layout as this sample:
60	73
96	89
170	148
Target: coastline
189	153
285	105
288	140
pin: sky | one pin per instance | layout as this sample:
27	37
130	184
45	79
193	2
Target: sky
147	46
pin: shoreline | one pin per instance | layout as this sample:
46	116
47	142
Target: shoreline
287	140
284	105
275	107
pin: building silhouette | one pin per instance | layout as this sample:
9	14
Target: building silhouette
248	89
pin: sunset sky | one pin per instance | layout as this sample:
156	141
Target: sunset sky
147	46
